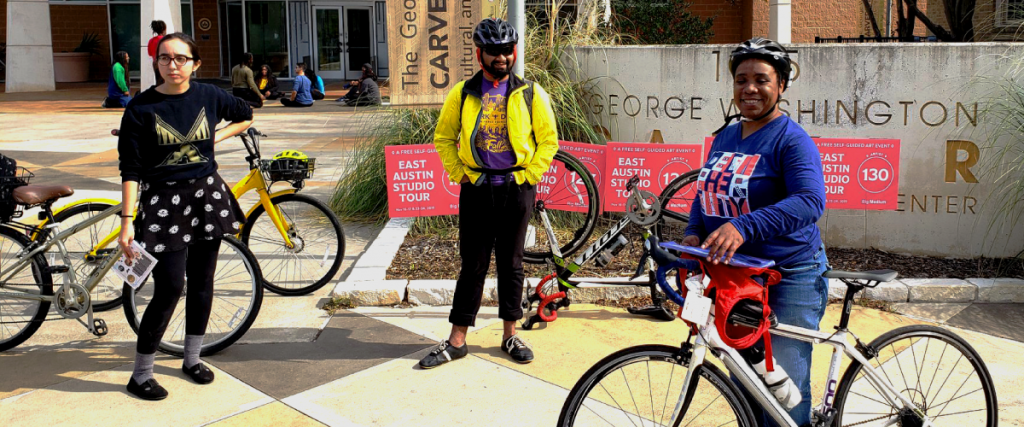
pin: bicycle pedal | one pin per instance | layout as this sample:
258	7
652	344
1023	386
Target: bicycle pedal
57	269
99	327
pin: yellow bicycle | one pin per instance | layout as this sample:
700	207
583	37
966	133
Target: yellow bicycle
297	239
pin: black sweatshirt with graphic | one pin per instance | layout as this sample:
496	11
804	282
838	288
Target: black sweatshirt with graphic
170	137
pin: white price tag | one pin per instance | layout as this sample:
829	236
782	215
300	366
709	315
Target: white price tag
697	309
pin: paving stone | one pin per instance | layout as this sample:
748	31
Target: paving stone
431	292
894	291
374	293
932	312
364	274
940	290
999	290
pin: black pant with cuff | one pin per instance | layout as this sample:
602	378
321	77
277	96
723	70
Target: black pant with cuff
492	218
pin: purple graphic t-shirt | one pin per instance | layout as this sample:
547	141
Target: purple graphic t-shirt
492	144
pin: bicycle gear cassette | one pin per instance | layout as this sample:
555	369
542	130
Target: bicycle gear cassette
646	214
72	302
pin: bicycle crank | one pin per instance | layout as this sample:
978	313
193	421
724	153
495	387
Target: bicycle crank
72	301
643	212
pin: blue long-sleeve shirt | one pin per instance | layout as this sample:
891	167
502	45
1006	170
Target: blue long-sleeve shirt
769	186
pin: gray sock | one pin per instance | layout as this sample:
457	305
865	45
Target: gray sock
193	343
143	367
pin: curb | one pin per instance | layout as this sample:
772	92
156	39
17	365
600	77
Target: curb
366	284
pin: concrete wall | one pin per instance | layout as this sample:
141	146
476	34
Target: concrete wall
926	96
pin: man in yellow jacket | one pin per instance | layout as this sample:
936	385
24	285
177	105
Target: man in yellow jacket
496	136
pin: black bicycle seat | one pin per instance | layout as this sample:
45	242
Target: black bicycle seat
877	276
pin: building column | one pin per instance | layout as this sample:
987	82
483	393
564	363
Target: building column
29	47
168	11
780	24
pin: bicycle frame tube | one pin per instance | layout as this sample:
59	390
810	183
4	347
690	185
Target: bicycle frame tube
734	362
591	252
24	258
254	181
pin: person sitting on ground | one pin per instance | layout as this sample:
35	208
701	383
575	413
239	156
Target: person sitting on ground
301	93
317	90
242	84
267	83
118	93
363	92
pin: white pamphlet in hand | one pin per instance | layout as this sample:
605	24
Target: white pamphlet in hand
135	272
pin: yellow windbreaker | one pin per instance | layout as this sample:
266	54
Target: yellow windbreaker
533	139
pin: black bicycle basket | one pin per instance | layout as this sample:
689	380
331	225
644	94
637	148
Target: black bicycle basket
11	176
289	170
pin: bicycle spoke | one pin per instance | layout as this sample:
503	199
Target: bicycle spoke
631	397
616	401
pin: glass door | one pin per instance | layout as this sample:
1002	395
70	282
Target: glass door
329	61
359	36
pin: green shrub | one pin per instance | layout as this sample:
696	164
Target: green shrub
660	22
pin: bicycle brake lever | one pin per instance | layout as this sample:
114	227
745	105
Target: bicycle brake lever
640	265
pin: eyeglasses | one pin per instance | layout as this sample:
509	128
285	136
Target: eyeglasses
179	60
503	50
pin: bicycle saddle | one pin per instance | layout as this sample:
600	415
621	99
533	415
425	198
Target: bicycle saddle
39	194
877	276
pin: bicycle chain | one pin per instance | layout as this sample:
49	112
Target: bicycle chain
866	421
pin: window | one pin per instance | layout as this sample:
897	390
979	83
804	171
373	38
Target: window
1011	13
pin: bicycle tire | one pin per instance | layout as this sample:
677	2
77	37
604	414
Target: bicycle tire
270	240
572	205
675	207
225	300
604	406
33	313
933	406
107	294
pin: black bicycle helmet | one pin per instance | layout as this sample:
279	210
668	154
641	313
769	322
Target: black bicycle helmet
768	50
494	32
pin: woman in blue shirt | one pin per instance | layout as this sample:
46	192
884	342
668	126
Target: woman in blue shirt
761	193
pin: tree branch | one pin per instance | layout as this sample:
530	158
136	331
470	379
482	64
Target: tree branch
871	13
940	32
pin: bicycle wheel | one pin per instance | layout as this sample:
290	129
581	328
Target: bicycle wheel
107	293
934	368
237	297
318	245
676	200
641	386
20	318
567	194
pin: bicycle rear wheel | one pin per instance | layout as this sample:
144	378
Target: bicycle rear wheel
676	200
934	368
20	318
641	386
567	195
237	297
318	245
107	293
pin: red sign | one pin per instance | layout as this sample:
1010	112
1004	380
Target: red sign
656	165
561	189
860	173
417	182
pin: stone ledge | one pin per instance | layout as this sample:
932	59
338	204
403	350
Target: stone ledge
431	292
1001	290
940	290
894	291
372	293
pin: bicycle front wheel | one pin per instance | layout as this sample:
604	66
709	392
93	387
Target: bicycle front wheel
20	318
676	200
237	297
318	244
567	196
642	386
107	293
932	367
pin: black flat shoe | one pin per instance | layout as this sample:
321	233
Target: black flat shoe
199	373
148	390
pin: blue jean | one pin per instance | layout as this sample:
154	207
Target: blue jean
119	101
798	300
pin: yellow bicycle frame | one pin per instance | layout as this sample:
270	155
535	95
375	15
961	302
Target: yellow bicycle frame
253	181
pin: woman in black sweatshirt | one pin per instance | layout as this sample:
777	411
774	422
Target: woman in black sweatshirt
165	147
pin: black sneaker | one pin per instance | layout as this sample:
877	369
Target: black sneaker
518	349
199	373
444	353
148	390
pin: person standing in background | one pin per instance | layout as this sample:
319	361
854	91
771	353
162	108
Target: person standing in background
160	29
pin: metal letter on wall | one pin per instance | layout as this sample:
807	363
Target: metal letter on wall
430	48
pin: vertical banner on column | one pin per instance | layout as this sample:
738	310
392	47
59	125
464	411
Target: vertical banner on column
860	173
656	165
417	182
